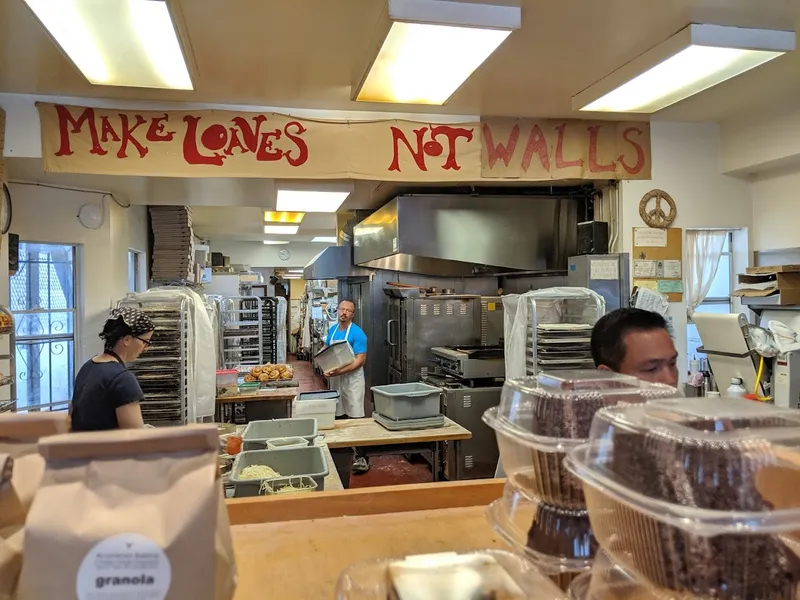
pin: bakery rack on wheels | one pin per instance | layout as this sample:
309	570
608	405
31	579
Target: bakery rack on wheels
242	331
269	330
560	329
163	371
9	379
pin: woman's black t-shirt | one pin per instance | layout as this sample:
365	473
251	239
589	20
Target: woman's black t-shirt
101	388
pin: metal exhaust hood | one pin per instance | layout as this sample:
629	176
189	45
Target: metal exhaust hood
334	262
459	235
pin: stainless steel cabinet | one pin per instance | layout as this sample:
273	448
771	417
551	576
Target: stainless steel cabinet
478	456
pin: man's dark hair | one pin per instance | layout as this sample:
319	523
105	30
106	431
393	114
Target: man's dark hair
608	335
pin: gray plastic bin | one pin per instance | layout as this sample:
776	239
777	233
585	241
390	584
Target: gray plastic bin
407	400
319	395
335	356
289	462
257	433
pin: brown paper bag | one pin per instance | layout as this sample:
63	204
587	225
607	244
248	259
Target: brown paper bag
130	513
19	435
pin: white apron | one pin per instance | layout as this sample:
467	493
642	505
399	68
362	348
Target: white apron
351	386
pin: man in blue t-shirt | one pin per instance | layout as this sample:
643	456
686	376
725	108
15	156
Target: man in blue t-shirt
349	380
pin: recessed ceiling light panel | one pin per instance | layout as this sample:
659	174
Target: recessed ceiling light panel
696	58
120	43
271	216
275	243
281	229
324	239
310	201
432	47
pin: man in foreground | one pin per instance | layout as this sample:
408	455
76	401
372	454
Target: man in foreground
635	342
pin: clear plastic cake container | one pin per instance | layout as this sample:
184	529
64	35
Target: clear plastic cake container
451	575
608	581
539	420
552	537
697	495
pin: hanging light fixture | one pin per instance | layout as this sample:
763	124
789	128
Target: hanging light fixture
428	48
130	43
694	59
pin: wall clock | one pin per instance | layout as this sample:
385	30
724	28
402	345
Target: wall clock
91	216
284	254
657	209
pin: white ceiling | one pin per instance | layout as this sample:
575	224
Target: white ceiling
302	53
246	224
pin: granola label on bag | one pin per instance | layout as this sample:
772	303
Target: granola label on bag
124	567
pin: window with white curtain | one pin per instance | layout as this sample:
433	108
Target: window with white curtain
718	299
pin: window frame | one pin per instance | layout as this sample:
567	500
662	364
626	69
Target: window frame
77	320
716	301
136	258
731	286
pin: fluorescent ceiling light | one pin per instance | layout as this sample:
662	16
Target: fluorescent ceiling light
327	240
281	229
295	271
275	243
432	47
283	217
310	201
122	42
694	59
291	277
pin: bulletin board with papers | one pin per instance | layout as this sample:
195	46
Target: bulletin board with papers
657	256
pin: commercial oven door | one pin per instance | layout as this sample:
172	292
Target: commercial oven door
393	337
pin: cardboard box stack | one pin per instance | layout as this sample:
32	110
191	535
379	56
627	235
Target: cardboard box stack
780	284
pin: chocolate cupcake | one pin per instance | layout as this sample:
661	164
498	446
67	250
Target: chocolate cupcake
539	420
561	532
683	471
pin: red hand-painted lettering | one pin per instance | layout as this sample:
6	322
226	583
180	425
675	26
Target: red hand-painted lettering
560	162
418	155
128	137
156	133
65	119
594	166
191	151
107	130
537	144
500	151
641	158
293	131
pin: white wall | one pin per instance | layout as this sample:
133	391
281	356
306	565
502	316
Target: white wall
50	215
256	254
686	165
776	207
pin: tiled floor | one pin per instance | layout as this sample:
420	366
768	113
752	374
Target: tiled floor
305	376
384	470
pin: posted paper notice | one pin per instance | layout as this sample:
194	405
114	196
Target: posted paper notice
648	237
604	269
670	286
672	269
645	268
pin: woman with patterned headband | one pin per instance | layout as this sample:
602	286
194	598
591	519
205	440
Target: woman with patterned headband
107	394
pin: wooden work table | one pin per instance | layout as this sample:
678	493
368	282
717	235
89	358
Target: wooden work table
303	542
258	405
261	395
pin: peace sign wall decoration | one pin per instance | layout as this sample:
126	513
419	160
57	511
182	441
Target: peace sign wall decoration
657	209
